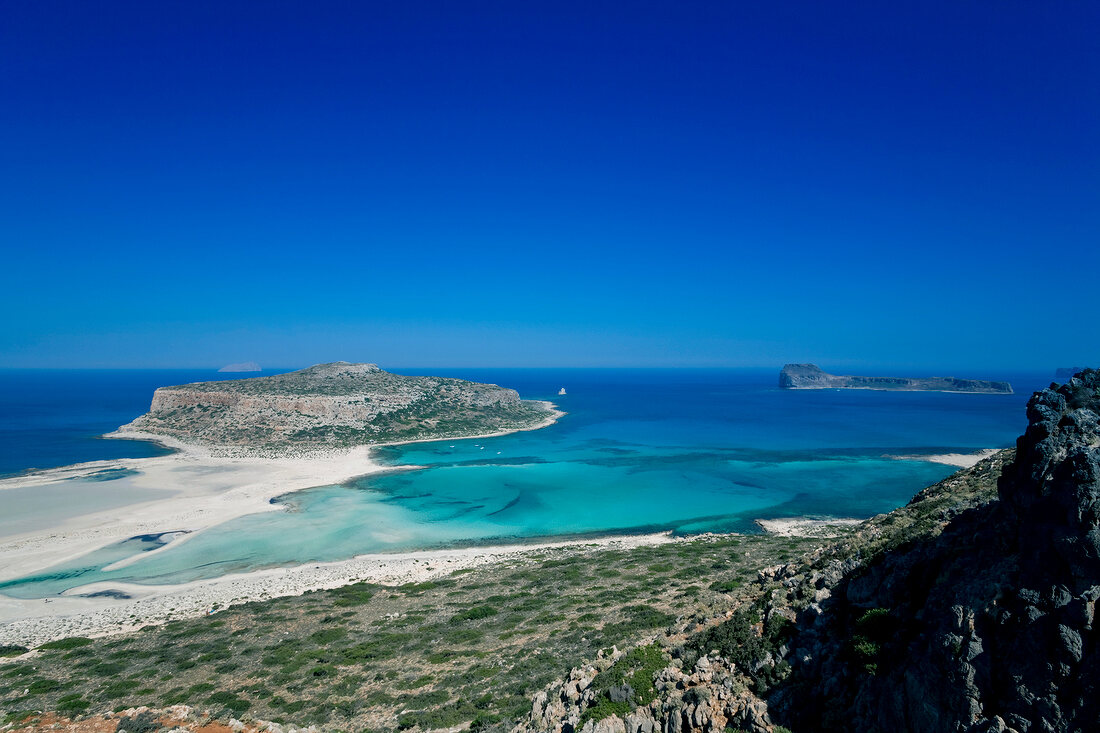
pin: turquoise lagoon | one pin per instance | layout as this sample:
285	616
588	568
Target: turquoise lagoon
640	450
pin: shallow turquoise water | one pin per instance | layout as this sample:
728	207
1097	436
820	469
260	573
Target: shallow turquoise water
639	451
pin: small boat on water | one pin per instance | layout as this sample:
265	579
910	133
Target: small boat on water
561	391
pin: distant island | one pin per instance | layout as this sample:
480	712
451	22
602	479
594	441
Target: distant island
336	405
244	366
811	376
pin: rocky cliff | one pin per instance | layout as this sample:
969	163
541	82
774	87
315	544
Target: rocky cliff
972	609
987	626
811	376
334	405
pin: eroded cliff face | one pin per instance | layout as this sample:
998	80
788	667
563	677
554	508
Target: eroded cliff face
972	609
334	405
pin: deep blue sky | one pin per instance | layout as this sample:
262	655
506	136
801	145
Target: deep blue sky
881	184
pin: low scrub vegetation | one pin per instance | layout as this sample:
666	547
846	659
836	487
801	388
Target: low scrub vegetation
472	648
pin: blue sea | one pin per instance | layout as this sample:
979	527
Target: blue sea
639	451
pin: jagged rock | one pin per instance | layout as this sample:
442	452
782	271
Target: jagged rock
621	693
610	724
640	721
1008	588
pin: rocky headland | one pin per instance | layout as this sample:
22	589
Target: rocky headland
972	609
811	376
338	405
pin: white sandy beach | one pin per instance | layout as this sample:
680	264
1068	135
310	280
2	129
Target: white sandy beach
959	460
36	621
200	488
807	526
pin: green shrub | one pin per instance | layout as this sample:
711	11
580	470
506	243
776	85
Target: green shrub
327	636
634	671
12	650
230	701
463	636
875	624
71	642
323	670
143	722
638	618
118	689
872	630
735	639
604	708
40	686
107	669
72	705
474	613
17	670
174	697
725	586
778	630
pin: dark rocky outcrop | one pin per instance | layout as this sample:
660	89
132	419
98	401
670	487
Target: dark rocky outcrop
988	626
811	376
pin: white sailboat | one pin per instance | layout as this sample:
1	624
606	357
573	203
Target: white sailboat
561	391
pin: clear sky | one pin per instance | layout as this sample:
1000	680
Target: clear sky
879	184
